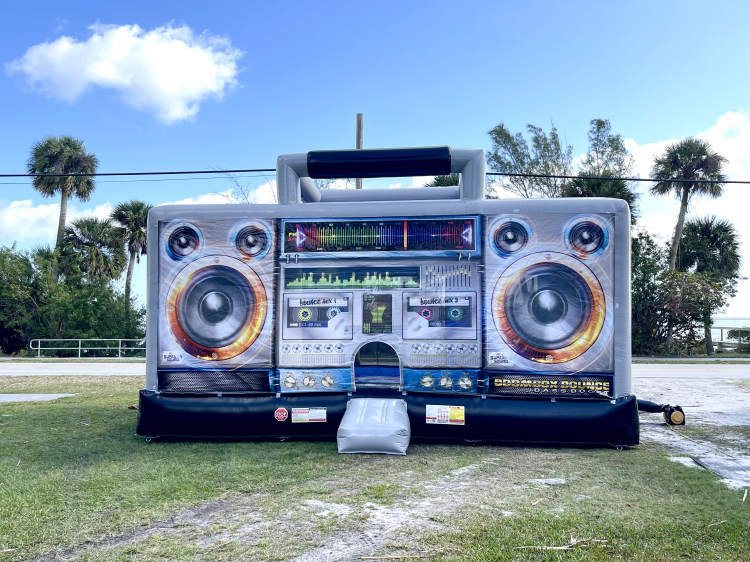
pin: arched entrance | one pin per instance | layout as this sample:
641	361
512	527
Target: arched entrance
376	365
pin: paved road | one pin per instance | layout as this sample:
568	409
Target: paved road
119	369
692	359
704	371
32	369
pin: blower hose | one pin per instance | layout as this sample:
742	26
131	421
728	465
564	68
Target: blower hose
673	415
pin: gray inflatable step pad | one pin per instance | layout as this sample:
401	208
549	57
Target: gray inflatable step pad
374	425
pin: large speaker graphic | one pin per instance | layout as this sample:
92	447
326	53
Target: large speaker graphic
216	304
549	293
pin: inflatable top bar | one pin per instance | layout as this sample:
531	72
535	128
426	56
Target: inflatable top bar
293	173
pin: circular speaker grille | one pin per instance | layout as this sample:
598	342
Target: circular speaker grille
511	237
548	307
252	241
216	310
586	237
183	241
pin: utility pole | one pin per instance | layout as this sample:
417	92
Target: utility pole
360	142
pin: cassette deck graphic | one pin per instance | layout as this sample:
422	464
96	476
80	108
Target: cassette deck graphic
318	316
441	316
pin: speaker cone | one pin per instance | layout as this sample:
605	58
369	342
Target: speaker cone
216	309
183	241
252	241
510	236
586	238
548	307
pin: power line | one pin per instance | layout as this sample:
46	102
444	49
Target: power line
608	178
135	173
164	179
504	174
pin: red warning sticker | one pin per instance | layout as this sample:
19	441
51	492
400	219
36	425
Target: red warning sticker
281	414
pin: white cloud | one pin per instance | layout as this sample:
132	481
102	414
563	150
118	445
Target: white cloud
168	71
265	193
205	199
30	224
421	181
499	188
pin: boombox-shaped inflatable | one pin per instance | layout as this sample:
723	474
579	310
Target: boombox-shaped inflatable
499	320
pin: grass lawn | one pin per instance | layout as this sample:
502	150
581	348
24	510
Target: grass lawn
73	360
75	480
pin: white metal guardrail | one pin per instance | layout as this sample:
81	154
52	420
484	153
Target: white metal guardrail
744	335
119	346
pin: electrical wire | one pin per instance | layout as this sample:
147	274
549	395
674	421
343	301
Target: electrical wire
608	178
164	179
504	174
136	173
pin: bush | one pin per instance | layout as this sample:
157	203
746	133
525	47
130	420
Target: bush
34	305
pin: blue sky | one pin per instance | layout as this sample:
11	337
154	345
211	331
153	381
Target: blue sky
267	78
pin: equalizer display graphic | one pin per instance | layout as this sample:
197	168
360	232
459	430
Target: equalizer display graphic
352	278
403	235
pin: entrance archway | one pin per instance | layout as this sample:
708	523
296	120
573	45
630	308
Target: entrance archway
376	365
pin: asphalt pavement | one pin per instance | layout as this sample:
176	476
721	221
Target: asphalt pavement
705	371
640	370
34	369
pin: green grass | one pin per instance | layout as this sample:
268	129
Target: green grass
72	360
84	476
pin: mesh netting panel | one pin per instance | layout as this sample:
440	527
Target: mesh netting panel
213	381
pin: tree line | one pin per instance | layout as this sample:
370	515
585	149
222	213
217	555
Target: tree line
70	290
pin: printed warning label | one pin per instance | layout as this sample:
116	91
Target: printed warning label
447	415
308	415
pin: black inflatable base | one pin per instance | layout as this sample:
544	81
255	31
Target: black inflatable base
565	421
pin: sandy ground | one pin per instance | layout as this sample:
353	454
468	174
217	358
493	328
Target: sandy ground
714	407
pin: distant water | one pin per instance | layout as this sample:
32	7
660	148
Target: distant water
728	322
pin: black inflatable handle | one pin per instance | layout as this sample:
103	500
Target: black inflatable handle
379	163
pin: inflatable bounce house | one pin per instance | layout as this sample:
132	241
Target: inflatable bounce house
490	319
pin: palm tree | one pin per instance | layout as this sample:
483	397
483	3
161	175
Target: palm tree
132	217
689	159
62	155
448	180
97	246
614	188
711	246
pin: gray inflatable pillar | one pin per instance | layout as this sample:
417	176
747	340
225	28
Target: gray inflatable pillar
374	425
